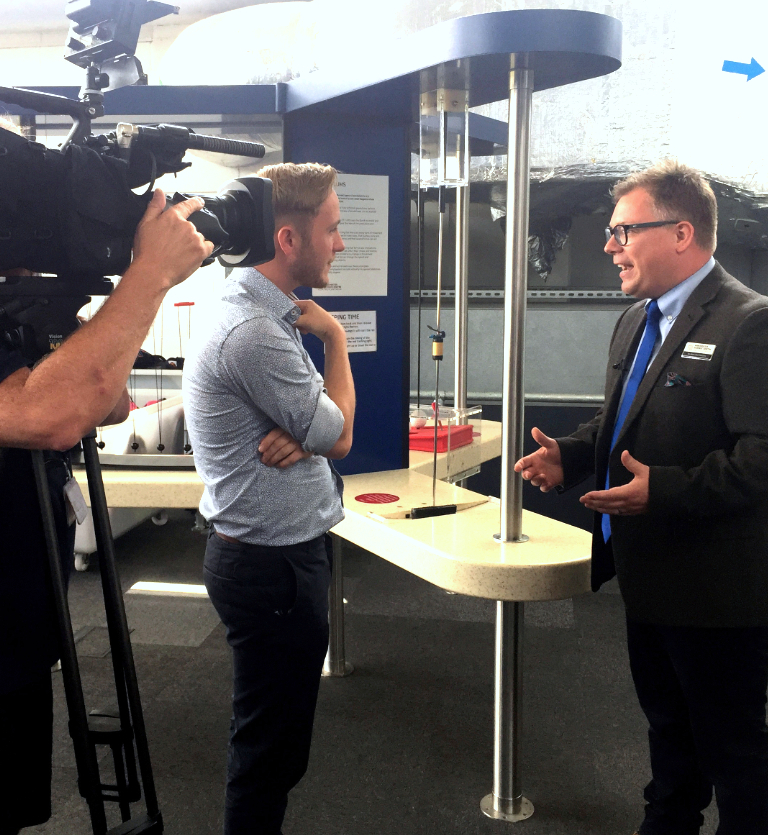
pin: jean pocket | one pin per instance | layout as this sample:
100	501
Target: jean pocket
250	588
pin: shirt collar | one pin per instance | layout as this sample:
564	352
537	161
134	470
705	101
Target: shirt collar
260	288
671	303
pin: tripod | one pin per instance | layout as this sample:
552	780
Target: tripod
32	309
124	732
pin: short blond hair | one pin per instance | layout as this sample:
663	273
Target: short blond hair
678	192
299	190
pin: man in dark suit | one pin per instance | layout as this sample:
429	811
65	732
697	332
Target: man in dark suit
682	450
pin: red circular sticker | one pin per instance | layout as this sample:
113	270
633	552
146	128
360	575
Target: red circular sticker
376	498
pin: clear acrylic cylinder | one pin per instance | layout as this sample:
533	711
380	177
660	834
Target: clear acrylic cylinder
444	126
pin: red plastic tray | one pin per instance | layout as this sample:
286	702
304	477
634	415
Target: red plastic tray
424	439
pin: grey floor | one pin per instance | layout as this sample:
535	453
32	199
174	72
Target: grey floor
405	744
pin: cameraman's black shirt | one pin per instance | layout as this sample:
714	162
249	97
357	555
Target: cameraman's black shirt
28	631
10	361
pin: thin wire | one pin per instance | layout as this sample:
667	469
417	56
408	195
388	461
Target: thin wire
132	395
187	445
439	264
158	377
160	398
178	316
434	457
420	225
438	360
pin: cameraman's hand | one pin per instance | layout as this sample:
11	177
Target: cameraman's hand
166	244
318	321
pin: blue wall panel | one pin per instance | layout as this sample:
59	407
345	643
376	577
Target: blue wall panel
365	145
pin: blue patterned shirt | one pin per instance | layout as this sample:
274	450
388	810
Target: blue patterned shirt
247	372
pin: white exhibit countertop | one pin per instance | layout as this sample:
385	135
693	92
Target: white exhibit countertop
456	552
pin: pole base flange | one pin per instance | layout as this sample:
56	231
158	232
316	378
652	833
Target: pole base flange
488	808
523	538
347	671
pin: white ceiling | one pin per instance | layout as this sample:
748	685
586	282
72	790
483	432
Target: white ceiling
48	15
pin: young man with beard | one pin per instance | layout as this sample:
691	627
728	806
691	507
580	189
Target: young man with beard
264	426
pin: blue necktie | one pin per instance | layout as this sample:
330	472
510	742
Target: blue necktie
642	358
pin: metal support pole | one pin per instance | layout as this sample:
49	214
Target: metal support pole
335	665
507	801
462	297
420	215
516	274
437	336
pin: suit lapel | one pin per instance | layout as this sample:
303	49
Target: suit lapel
693	311
627	350
626	344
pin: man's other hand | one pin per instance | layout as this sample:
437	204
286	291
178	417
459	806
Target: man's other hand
318	321
543	468
279	448
166	244
628	499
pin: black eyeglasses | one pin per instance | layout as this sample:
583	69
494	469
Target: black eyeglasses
620	231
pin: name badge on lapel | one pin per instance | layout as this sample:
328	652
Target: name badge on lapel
698	351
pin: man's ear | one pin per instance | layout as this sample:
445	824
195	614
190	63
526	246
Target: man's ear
684	235
286	239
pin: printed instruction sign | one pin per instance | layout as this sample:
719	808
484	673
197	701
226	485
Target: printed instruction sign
360	327
361	270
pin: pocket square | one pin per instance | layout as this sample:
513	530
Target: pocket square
675	379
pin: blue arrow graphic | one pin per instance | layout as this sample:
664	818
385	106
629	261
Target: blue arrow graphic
751	70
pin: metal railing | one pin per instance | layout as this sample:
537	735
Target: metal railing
492	397
562	294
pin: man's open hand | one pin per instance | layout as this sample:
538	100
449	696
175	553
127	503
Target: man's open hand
543	468
629	499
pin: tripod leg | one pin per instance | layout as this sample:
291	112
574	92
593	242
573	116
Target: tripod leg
129	698
122	783
85	753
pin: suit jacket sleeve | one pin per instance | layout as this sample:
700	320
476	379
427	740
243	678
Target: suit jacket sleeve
732	479
577	452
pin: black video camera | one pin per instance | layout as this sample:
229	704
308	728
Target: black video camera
72	212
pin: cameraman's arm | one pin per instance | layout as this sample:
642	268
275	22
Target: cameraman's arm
121	409
120	412
76	386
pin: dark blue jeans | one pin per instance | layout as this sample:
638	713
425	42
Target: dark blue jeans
703	692
273	602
